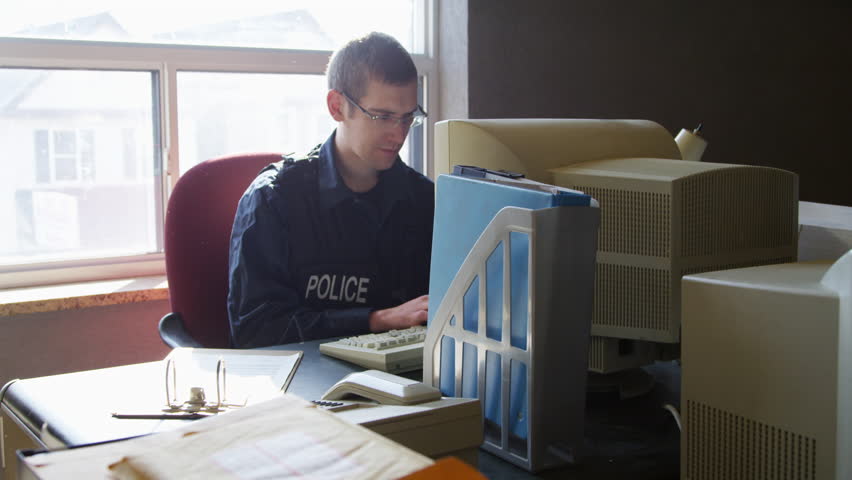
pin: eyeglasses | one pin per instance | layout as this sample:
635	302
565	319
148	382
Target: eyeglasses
386	120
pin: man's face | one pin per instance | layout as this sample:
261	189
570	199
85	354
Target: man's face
374	144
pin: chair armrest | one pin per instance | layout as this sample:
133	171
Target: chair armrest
174	334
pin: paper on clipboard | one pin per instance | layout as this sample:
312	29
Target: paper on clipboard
250	375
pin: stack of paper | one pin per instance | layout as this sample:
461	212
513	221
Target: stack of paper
281	438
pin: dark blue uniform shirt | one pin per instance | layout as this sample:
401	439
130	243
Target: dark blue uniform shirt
311	259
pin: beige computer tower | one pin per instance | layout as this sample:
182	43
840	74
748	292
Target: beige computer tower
662	219
767	373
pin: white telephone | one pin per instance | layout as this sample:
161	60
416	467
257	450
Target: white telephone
382	387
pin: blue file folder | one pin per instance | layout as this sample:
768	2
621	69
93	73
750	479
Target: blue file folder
463	208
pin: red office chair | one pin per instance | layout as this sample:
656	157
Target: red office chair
197	236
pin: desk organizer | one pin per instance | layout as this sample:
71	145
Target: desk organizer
513	327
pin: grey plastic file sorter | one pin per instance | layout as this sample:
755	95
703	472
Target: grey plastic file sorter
529	375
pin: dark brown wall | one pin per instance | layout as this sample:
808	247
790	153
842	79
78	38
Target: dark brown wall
772	85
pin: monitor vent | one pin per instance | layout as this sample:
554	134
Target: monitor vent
634	223
632	297
723	446
597	353
731	210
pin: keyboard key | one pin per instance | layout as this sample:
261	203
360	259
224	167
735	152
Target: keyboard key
394	351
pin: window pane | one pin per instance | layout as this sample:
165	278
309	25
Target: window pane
226	113
66	168
292	24
65	193
64	142
412	151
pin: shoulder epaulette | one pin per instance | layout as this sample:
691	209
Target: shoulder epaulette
289	159
314	153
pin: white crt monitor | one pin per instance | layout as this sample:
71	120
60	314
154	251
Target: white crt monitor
661	217
767	372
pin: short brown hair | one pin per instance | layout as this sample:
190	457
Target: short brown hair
376	55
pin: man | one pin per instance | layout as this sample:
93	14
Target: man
339	244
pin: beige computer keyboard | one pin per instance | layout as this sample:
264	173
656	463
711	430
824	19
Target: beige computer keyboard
393	351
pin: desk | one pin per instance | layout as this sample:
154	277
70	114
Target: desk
634	439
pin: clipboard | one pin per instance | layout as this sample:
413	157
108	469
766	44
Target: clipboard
251	375
199	382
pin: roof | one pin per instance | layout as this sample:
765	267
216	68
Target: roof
294	29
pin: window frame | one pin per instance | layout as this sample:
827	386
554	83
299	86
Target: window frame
164	61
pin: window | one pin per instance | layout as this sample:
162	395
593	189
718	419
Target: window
73	137
64	155
104	104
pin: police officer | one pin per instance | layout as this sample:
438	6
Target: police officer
339	243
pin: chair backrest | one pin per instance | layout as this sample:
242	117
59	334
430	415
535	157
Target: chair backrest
199	218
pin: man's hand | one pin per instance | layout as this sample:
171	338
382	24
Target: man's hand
410	313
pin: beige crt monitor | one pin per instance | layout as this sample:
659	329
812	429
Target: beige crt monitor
533	146
767	372
661	217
